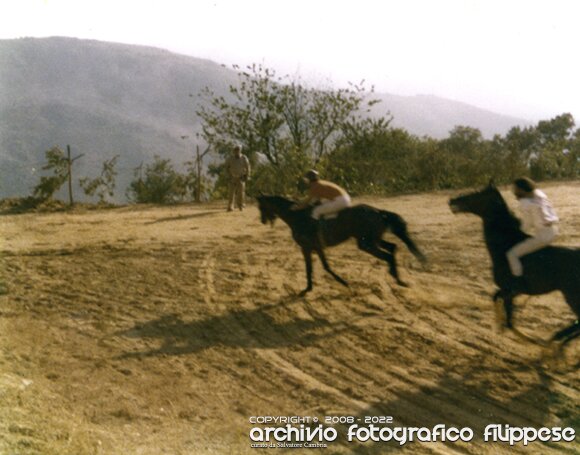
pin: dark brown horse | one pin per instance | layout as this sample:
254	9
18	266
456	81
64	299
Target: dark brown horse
363	222
549	269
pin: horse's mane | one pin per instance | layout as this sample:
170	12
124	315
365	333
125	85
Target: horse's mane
503	213
505	220
280	201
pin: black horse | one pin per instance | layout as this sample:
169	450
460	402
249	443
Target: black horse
549	269
363	222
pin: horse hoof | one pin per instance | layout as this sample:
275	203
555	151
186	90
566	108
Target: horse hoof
402	283
553	349
304	292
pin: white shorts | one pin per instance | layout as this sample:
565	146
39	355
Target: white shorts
332	206
543	237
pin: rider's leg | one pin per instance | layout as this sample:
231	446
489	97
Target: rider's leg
331	206
327	208
543	238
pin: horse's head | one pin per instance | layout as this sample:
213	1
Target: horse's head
481	203
268	209
272	207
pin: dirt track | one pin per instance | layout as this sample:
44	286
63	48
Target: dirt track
162	330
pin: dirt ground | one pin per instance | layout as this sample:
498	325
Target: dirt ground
162	330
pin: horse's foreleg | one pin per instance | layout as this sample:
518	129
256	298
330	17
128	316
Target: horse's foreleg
506	298
308	261
508	306
322	257
500	316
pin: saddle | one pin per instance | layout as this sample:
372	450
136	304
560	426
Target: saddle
322	224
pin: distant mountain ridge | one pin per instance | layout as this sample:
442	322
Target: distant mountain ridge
106	99
428	115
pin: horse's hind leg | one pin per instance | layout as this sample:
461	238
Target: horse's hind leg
399	228
371	248
389	246
322	257
504	311
568	334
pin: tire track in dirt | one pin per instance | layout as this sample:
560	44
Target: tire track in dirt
454	402
311	382
284	366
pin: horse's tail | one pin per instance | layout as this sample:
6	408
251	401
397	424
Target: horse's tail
397	225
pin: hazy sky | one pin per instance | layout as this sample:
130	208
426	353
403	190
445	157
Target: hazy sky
511	56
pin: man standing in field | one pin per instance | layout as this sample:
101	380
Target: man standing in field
238	173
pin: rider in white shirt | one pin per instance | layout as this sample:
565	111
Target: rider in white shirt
539	220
